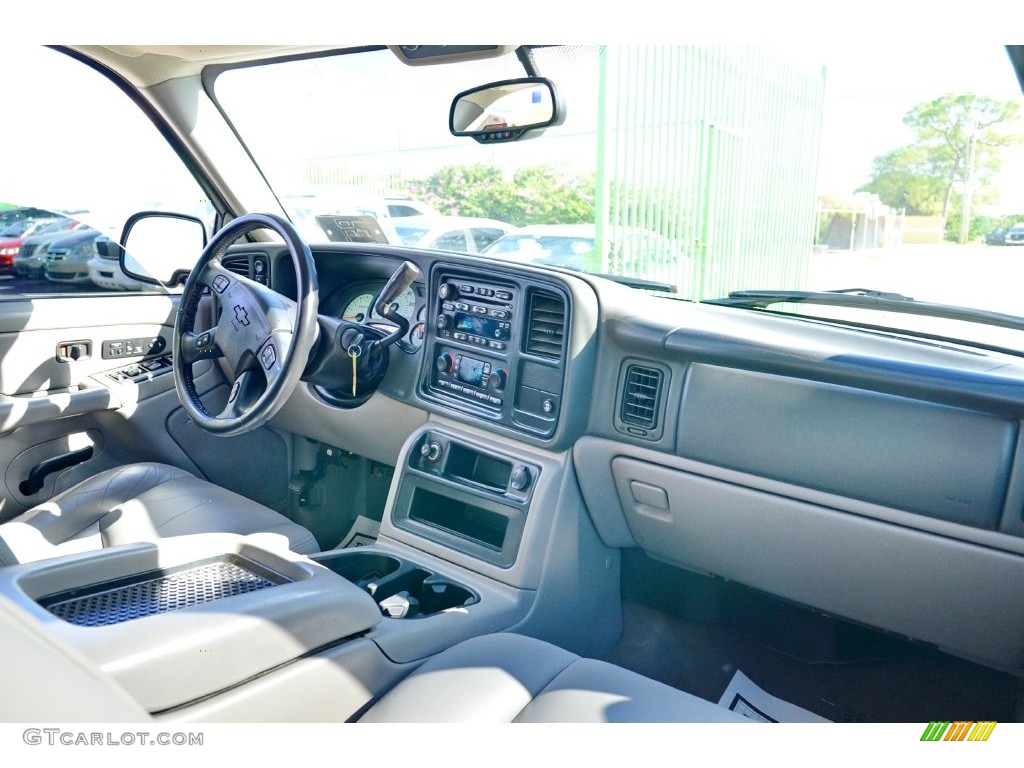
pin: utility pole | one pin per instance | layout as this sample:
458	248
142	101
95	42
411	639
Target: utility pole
965	218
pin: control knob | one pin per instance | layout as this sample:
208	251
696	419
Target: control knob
520	478
447	291
498	379
445	363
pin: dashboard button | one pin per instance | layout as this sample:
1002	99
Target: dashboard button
268	356
503	295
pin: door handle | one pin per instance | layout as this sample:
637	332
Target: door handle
34	482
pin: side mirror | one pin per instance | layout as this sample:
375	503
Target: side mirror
508	110
160	248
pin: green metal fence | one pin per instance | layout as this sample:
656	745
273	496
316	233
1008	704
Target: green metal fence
713	150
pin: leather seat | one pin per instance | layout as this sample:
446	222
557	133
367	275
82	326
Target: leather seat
488	679
139	502
505	678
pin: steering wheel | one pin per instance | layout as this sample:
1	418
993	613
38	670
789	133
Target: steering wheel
264	338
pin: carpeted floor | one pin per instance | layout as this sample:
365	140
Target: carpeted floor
693	632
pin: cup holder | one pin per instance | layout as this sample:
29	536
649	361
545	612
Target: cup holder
361	568
401	589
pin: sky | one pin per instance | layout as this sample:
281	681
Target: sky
868	90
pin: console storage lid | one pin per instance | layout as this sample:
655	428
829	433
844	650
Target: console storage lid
192	615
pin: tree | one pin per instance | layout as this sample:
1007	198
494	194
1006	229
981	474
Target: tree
906	179
964	133
956	147
534	195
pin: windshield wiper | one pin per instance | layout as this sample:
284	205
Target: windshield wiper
637	282
865	298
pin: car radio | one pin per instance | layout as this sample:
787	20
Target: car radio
475	313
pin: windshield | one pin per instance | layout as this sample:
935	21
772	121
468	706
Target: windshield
706	169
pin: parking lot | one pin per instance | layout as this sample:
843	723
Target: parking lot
11	285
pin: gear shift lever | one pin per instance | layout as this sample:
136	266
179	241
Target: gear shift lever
404	276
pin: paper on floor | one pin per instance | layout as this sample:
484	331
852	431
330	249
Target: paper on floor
745	698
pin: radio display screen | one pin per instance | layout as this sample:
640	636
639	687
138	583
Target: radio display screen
472	371
478	325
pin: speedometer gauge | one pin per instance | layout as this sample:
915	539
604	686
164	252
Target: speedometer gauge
360	307
357	310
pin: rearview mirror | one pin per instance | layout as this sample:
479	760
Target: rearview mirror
506	111
161	248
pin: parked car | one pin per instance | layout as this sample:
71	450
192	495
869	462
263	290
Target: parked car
328	476
105	270
1015	234
67	259
13	235
463	234
996	237
400	207
30	261
558	245
630	251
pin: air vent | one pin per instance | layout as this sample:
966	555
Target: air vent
640	396
545	325
251	265
240	264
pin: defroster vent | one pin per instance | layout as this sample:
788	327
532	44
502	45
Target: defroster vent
641	395
545	325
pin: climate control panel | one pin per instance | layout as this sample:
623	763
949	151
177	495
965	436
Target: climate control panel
470	377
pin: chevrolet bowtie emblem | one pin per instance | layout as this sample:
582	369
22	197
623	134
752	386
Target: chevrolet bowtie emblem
241	315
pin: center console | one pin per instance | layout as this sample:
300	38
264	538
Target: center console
498	347
191	616
464	497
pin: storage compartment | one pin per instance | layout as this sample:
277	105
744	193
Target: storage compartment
466	520
467	464
191	616
459	518
957	595
160	591
402	590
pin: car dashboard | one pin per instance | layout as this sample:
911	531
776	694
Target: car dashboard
863	473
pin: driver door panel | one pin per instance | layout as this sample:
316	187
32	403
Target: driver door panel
64	417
